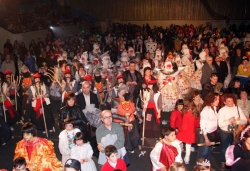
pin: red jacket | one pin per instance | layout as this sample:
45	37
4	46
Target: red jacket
187	131
176	119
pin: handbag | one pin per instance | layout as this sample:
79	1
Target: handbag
214	136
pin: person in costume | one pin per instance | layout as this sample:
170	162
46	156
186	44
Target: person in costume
82	151
68	83
238	155
244	103
99	84
186	132
38	152
72	165
26	81
243	71
177	115
126	108
40	105
9	88
66	139
73	111
166	152
152	109
5	131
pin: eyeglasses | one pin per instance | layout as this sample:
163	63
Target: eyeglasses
107	117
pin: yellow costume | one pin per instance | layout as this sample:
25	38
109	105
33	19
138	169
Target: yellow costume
39	155
243	71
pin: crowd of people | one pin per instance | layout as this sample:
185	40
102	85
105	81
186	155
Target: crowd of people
40	15
113	90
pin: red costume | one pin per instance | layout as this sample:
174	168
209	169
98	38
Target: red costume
119	166
39	155
176	119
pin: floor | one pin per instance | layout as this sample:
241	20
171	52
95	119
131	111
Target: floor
139	161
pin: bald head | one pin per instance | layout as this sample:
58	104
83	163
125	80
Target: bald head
86	87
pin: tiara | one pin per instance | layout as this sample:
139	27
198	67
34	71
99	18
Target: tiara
243	132
204	163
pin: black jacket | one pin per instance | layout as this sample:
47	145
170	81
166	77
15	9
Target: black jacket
138	76
75	113
81	100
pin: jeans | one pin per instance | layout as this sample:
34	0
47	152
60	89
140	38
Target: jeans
226	140
204	151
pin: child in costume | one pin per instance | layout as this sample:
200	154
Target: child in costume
202	165
38	152
238	155
83	152
72	165
166	152
176	115
66	139
113	162
186	133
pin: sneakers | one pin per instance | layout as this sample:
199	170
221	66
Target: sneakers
222	166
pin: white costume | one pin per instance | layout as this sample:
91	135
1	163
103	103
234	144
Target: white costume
66	139
151	47
84	152
156	153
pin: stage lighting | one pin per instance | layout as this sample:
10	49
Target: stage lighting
51	27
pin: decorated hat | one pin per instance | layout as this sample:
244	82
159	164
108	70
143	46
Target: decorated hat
72	163
37	75
119	76
245	58
152	82
67	71
7	72
88	77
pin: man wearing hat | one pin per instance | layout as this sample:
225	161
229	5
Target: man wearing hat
99	85
26	82
68	83
40	102
120	80
9	90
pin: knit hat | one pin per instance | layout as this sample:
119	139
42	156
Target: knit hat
72	163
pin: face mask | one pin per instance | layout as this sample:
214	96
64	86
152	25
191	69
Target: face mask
98	78
127	96
26	74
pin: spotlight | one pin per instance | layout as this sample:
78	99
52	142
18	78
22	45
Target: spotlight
51	27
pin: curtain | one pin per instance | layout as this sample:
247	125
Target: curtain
141	10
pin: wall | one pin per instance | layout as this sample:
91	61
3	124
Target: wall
146	10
